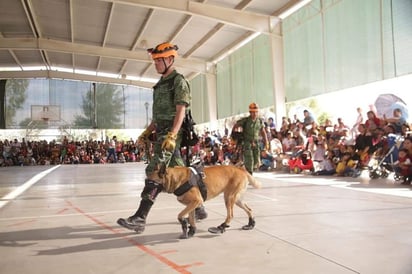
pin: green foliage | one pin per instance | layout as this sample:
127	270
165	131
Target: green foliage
109	105
323	117
15	98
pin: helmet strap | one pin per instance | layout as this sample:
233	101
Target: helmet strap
167	67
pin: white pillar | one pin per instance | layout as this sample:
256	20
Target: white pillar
278	76
212	99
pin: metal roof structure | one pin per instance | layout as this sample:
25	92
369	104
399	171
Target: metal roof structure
106	40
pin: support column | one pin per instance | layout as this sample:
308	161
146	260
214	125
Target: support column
2	103
211	91
278	76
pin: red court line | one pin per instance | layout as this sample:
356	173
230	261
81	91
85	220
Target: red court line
62	211
168	251
171	264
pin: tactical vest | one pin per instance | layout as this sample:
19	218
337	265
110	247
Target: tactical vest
251	129
167	93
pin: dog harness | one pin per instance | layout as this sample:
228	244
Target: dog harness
194	180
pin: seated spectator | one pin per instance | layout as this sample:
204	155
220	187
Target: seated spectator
271	123
328	166
300	140
363	143
403	166
334	146
75	159
347	166
352	151
285	124
301	163
2	161
276	147
406	130
378	142
346	137
288	143
97	158
267	160
308	118
372	122
319	151
121	159
397	120
341	125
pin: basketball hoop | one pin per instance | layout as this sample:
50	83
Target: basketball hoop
45	113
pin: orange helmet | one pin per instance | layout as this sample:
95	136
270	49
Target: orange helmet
253	107
163	50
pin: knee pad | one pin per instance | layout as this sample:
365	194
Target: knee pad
151	190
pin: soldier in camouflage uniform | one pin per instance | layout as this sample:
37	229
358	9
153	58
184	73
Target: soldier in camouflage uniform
251	128
171	99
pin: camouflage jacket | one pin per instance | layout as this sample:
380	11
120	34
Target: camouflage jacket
167	93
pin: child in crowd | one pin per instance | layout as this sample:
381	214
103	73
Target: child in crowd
403	166
267	160
347	166
327	166
301	163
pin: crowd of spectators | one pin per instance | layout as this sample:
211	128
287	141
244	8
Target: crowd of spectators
27	153
295	146
322	149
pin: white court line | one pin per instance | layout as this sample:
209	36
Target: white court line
20	189
342	184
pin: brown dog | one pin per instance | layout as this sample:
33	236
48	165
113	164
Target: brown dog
232	181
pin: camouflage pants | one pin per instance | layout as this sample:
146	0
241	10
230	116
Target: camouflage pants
251	157
174	159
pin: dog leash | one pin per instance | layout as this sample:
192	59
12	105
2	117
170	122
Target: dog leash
165	158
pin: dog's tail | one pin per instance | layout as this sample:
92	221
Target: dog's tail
252	181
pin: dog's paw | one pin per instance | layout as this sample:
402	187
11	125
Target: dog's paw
184	236
214	230
247	227
219	229
250	225
192	231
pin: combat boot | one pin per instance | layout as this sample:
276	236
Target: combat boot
133	223
137	222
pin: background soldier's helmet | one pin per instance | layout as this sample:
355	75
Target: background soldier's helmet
163	50
253	107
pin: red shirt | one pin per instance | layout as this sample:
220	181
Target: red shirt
369	123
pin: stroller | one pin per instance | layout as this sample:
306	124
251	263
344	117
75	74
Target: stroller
381	167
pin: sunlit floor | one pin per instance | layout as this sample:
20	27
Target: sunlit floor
64	221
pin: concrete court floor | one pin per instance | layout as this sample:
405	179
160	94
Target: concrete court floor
65	222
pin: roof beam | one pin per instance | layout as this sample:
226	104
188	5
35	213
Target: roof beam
13	55
287	6
238	18
142	29
34	24
242	5
49	74
106	33
76	48
246	20
71	14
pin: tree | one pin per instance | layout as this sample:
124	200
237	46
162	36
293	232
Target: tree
15	98
109	106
